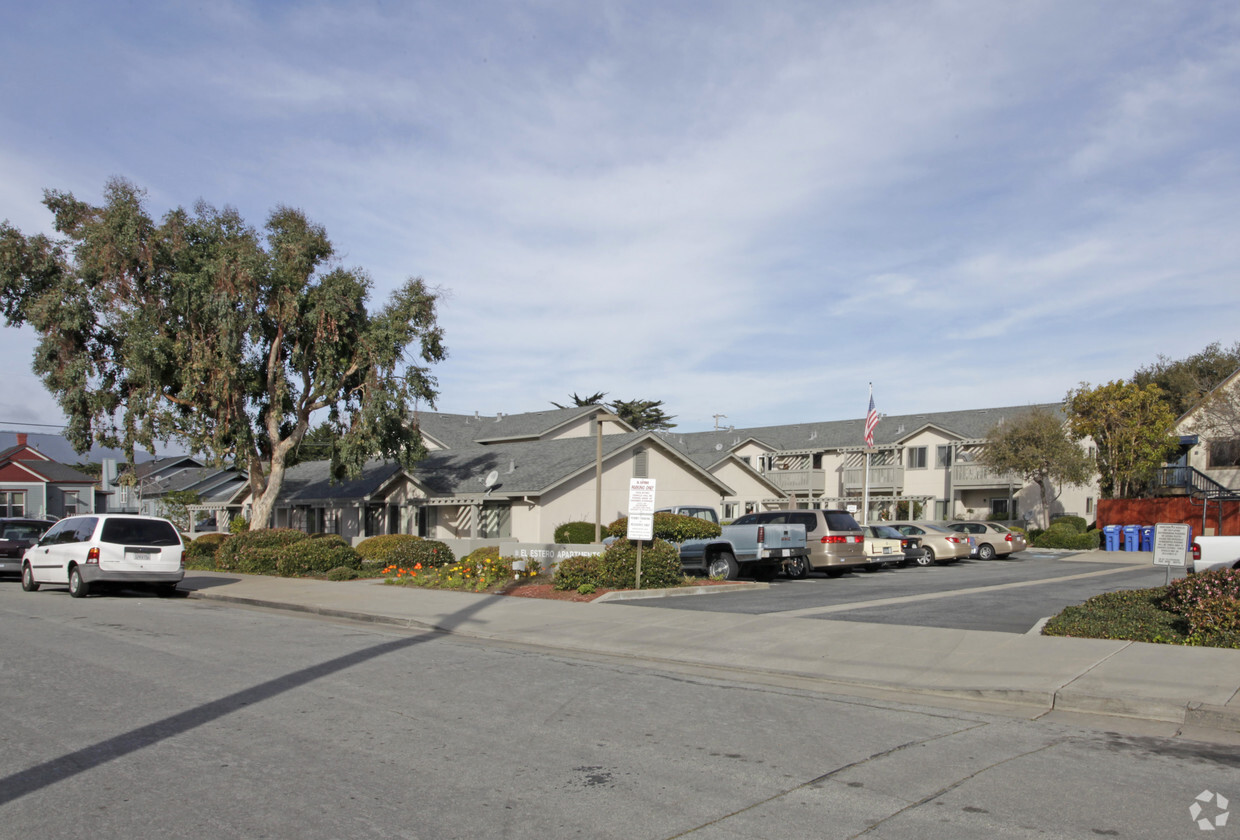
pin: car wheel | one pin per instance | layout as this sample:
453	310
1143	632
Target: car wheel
28	581
985	551
796	568
928	559
78	588
723	566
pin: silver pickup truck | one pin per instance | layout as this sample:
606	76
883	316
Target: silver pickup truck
759	551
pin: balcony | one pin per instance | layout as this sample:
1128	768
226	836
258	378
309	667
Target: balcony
976	475
888	478
798	481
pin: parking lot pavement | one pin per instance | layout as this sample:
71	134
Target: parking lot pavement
1003	596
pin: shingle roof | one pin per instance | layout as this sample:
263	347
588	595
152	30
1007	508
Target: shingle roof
839	434
311	481
458	431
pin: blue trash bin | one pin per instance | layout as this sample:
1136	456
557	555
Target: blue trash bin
1111	535
1147	537
1132	537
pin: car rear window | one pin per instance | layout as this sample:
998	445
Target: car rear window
839	520
139	532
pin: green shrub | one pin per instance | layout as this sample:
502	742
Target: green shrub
1077	523
410	553
254	552
1065	535
483	554
1135	615
238	526
200	553
575	533
315	556
616	568
578	570
342	573
377	549
1188	592
671	527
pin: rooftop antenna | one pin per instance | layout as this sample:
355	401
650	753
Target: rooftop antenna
719	417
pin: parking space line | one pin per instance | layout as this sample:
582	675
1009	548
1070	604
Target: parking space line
931	596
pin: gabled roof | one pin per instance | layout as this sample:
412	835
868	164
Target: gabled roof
845	434
41	468
311	481
532	468
459	431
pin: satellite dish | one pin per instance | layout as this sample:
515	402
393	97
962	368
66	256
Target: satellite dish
718	446
491	479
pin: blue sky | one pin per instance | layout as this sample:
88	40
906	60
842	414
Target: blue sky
746	209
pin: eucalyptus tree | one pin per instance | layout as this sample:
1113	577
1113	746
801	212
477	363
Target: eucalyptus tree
201	329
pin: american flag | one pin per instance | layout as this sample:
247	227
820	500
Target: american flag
871	420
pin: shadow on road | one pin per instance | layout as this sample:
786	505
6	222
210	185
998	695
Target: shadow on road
51	772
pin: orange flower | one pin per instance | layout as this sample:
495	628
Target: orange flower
417	565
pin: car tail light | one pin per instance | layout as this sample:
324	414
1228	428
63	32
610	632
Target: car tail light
1007	537
92	556
1196	552
762	534
956	540
834	540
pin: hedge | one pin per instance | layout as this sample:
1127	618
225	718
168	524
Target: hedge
671	527
575	533
616	568
316	556
1065	535
377	549
254	552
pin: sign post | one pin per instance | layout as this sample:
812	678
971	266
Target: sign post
1170	546
641	516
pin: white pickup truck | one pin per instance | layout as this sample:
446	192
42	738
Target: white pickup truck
1214	553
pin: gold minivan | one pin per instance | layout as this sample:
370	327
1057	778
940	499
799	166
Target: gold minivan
836	544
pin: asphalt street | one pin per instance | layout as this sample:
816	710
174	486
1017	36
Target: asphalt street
1008	596
134	717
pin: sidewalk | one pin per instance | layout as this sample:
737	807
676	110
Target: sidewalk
1029	674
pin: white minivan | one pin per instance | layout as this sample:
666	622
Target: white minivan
84	552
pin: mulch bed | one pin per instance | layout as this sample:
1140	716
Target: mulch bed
539	588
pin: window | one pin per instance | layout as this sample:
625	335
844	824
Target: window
729	510
71	503
917	458
942	456
940	507
1225	453
13	503
999	506
641	463
1089	504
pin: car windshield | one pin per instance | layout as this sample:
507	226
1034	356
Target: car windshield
885	531
139	532
22	531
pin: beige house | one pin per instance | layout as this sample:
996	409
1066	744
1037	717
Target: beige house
927	460
517	477
512	477
1209	441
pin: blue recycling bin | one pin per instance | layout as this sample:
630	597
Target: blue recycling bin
1111	535
1132	537
1147	537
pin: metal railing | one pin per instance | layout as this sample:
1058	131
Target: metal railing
1192	482
977	475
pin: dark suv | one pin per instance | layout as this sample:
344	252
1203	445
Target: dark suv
833	537
17	535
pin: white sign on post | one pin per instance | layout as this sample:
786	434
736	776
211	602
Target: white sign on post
641	509
1170	544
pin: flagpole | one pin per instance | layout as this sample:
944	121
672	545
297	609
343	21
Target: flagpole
865	496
